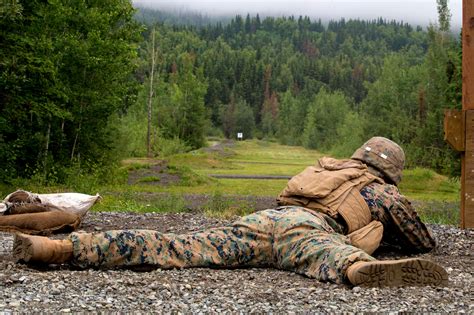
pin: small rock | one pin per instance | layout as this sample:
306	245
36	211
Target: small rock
356	289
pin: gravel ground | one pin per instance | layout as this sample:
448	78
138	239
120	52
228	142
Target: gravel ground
55	289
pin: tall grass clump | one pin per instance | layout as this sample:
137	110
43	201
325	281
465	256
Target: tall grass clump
221	206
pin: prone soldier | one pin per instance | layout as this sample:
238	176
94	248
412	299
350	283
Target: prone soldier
332	217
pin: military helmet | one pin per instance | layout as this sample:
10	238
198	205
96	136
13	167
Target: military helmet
384	155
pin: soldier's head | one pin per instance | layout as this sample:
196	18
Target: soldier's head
385	156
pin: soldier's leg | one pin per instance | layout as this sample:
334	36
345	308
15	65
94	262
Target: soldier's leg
246	243
306	244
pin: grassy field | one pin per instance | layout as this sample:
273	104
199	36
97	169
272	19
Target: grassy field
436	196
268	158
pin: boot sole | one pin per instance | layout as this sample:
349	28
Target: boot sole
22	248
404	272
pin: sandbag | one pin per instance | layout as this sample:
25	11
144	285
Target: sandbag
76	203
22	196
43	223
3	207
21	208
43	214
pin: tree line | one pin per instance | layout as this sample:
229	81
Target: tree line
326	86
75	84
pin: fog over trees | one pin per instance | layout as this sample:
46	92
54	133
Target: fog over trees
417	12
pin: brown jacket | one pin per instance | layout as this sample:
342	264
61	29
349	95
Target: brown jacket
333	187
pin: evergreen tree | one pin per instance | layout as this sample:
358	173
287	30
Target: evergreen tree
325	114
184	114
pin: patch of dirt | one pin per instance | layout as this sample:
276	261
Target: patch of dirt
222	148
156	174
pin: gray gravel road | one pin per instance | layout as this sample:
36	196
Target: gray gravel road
60	289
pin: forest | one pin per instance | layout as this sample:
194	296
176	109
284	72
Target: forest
85	83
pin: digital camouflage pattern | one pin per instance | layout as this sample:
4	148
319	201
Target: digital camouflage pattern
289	238
402	225
384	155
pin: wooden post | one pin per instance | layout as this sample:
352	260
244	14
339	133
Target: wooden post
467	158
459	125
467	174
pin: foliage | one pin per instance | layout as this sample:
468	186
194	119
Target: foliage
444	16
237	117
167	147
325	114
292	115
182	105
65	68
391	106
350	135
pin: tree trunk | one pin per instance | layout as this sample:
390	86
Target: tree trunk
73	151
150	96
46	148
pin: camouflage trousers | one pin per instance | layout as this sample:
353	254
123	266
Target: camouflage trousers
289	238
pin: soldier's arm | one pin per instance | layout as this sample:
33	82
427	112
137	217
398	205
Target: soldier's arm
413	233
402	225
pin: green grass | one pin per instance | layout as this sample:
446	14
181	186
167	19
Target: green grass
221	206
140	202
439	212
427	185
251	157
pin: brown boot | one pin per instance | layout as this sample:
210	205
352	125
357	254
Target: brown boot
29	248
403	272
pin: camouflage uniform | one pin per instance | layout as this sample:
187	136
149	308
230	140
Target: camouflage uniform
289	238
402	226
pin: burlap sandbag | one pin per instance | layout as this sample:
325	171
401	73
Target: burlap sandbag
75	203
22	208
42	223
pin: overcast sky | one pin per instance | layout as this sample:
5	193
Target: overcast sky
413	11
